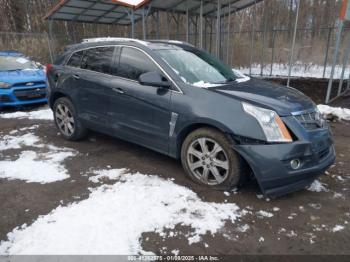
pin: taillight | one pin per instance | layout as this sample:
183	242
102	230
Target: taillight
48	68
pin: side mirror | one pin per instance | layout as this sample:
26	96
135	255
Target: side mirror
153	79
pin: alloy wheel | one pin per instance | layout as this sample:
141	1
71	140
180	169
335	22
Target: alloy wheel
208	161
65	119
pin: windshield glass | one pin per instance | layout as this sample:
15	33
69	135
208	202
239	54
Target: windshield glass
9	63
197	67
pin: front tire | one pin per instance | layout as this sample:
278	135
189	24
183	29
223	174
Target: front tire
209	160
67	121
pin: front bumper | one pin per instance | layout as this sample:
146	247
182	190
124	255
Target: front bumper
271	162
18	96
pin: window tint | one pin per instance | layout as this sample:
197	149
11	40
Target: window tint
134	63
75	59
98	59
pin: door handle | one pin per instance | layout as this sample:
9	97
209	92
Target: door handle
76	77
118	90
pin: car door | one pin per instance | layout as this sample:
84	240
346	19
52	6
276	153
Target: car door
139	113
93	83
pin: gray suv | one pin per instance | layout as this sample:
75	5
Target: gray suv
183	102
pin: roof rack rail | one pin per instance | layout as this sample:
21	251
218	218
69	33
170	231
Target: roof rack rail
114	39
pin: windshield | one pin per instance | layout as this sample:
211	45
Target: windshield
197	67
10	63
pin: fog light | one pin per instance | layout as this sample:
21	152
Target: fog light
295	163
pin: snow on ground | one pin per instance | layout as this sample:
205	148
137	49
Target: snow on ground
113	218
41	114
111	174
317	186
341	113
299	70
337	228
36	167
16	142
33	166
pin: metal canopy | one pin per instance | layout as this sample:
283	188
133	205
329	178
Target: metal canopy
122	13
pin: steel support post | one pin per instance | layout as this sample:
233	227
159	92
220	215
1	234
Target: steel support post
228	34
168	18
218	29
335	58
293	43
144	24
264	40
51	43
158	25
49	46
273	51
252	39
326	55
132	18
187	23
345	62
201	25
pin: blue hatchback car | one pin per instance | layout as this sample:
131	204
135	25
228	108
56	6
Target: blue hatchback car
22	81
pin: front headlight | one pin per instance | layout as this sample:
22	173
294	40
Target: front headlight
4	85
272	125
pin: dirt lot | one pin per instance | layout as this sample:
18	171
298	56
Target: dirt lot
303	222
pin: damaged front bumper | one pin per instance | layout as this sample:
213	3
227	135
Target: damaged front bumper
271	163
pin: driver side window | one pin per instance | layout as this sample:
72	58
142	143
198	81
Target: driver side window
134	63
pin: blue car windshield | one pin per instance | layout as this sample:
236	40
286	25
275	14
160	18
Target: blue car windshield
12	63
197	67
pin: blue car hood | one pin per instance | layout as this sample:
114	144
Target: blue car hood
20	76
284	100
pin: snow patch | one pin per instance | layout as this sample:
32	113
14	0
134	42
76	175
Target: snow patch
299	69
16	142
263	213
111	174
42	114
337	228
339	112
317	186
113	218
36	167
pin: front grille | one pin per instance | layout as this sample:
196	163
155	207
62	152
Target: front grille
28	84
5	99
309	121
30	94
323	153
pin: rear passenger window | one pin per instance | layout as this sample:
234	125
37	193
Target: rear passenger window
75	59
98	59
134	63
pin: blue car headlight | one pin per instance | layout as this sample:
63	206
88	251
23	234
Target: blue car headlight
270	122
5	85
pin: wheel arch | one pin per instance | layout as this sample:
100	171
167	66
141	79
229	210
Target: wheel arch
56	96
194	126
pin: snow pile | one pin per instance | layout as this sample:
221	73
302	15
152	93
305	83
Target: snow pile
111	174
263	213
317	186
16	142
42	114
113	218
31	166
36	167
337	228
338	112
299	69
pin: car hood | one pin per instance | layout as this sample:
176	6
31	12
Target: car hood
283	100
20	76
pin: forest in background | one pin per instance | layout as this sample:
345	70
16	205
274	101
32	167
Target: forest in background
273	22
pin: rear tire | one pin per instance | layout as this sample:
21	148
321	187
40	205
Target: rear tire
209	160
67	121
